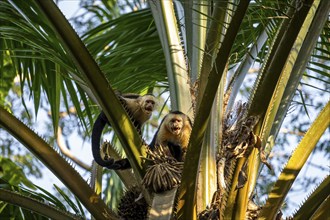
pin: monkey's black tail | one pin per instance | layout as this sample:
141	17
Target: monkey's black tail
98	127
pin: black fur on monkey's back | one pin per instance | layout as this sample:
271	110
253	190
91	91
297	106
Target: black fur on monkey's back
176	144
102	121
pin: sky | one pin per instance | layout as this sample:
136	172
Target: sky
69	7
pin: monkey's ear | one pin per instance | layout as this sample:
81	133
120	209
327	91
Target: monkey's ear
189	120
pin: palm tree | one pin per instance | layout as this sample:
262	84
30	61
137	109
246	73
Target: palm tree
189	48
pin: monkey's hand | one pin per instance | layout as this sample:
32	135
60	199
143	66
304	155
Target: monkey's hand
119	164
109	162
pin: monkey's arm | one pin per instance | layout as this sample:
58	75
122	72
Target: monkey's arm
153	142
176	151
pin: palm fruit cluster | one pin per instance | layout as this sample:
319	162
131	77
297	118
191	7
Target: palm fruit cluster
133	205
163	172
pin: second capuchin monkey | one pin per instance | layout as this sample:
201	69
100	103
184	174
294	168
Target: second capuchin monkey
139	108
173	132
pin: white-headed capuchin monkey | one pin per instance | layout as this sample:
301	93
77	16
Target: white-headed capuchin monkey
173	132
139	108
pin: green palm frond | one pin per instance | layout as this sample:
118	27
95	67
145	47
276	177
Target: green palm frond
42	202
300	62
268	92
128	52
55	162
29	39
295	163
177	70
315	200
187	206
34	205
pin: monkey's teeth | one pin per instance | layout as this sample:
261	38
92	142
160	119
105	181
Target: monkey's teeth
176	131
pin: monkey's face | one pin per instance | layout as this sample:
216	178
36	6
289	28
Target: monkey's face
149	105
175	125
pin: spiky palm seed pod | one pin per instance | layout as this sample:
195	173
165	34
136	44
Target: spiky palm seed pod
132	205
163	172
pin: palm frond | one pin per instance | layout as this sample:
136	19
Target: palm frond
314	200
35	205
295	163
177	69
128	51
29	39
186	207
59	166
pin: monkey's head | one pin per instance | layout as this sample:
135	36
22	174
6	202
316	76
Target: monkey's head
139	107
148	104
176	121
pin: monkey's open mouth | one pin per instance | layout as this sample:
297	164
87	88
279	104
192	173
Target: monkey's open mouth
148	109
176	130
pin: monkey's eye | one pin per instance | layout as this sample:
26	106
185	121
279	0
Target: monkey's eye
150	102
176	120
